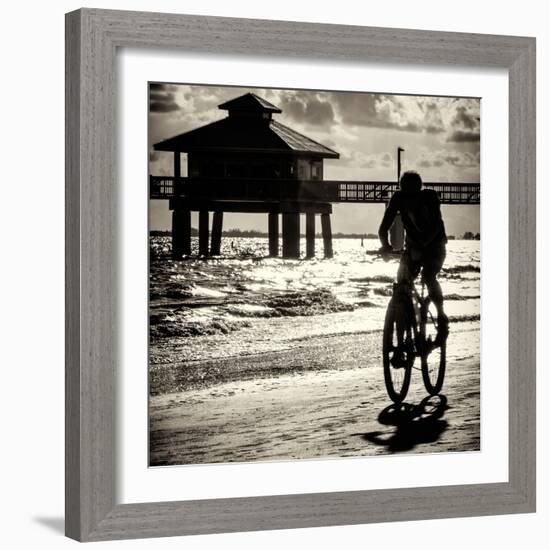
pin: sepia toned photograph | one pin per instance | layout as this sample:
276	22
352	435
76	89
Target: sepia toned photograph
314	274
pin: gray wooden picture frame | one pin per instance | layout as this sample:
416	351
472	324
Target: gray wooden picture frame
92	39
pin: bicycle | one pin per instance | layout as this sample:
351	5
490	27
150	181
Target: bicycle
410	331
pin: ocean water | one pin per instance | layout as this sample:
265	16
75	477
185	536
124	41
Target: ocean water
244	302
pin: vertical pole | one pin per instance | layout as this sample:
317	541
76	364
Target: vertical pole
273	229
216	243
291	235
203	233
310	235
181	233
177	164
327	235
399	151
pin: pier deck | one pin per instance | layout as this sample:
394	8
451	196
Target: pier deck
280	190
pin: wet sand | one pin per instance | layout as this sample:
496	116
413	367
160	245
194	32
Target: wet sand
324	398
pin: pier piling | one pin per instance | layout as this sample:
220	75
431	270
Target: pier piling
327	235
310	235
181	233
203	232
291	235
273	229
217	225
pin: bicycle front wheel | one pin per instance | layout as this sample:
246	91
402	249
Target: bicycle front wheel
433	357
398	349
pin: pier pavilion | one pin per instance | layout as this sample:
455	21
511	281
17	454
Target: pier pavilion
256	163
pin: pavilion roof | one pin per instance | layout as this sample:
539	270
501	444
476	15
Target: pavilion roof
246	134
249	102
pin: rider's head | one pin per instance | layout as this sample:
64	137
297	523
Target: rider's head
410	182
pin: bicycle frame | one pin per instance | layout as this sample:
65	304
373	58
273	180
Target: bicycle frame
407	318
407	290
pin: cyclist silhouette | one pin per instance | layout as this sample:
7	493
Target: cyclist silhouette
425	238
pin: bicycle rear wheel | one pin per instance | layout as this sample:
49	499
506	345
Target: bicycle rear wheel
433	357
398	348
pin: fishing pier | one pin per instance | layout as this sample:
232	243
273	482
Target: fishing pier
250	163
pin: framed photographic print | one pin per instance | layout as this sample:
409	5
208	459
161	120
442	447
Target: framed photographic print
300	275
249	338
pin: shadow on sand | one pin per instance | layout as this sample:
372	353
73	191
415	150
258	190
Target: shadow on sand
413	424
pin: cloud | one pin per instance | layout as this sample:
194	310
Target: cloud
465	124
159	87
423	163
162	98
355	109
161	164
433	118
405	113
465	118
307	107
456	119
441	158
461	136
159	96
369	161
386	159
392	112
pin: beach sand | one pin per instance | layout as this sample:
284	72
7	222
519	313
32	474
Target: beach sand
323	398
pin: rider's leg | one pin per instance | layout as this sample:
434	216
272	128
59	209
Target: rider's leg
436	295
434	292
432	264
431	268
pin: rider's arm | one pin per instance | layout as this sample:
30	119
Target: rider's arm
387	220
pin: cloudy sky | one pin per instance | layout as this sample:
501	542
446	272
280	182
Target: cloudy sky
440	136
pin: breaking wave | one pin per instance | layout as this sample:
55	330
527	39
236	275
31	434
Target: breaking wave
374	279
236	304
168	327
314	302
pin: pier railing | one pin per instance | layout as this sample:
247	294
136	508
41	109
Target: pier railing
332	191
